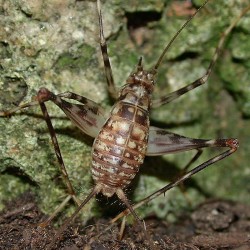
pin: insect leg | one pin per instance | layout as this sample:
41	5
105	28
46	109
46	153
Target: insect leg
174	95
176	147
194	159
91	104
88	117
58	235
164	142
121	195
61	164
14	110
161	141
108	70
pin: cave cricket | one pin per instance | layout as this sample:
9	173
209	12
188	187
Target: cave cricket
124	137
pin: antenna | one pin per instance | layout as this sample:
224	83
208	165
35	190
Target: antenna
154	69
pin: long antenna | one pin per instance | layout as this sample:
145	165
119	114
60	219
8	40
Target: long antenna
175	36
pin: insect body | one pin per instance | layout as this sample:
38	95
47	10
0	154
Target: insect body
125	137
120	147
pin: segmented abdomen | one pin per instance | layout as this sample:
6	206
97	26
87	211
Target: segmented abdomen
120	147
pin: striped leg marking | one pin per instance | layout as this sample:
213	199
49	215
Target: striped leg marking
174	95
107	66
88	117
230	143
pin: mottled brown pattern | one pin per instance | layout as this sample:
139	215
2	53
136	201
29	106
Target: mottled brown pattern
124	110
120	147
141	117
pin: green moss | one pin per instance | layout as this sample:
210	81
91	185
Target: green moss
81	58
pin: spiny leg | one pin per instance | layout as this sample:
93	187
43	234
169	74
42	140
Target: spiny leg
231	143
95	191
59	233
20	107
183	171
174	95
62	167
193	159
121	195
108	70
80	116
57	150
88	117
162	142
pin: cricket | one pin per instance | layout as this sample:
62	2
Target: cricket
123	136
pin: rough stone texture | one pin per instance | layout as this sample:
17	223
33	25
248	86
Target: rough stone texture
55	44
